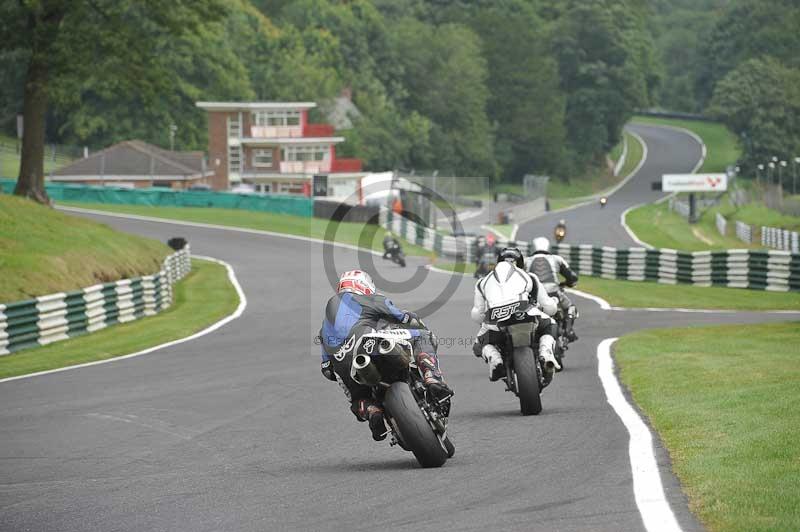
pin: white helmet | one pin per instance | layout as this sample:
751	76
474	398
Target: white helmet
356	281
541	244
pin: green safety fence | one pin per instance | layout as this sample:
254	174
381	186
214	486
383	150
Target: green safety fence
161	197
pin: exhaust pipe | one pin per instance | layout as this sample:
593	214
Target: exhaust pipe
365	371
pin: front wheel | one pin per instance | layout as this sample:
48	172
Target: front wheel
412	426
530	402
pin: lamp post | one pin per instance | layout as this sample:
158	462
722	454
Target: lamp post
759	169
172	129
781	166
771	172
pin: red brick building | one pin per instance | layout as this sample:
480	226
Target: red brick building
271	146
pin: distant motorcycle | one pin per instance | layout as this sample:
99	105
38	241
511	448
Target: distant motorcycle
524	373
384	360
395	253
486	263
603	201
560	233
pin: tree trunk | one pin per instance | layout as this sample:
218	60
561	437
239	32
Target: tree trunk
30	182
43	25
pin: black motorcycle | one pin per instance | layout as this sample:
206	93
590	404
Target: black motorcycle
562	341
395	254
524	373
384	360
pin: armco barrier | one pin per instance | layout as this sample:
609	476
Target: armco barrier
55	317
735	268
784	239
164	197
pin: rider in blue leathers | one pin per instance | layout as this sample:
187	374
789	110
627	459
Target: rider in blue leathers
353	311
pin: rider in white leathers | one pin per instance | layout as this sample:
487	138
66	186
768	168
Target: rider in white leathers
509	283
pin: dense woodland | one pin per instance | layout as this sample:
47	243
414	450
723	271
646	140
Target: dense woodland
495	88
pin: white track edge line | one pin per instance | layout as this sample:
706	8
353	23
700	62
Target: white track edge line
211	328
648	490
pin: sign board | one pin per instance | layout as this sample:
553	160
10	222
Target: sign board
320	185
694	182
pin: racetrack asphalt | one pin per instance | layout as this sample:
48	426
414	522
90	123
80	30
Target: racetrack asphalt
668	151
239	431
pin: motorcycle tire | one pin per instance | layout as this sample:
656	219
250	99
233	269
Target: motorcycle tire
530	400
402	262
415	431
448	445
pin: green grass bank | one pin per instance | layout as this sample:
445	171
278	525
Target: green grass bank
44	251
724	402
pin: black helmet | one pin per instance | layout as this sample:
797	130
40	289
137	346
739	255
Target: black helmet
512	255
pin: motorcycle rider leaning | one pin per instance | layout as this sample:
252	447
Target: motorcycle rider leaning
353	311
546	266
509	282
390	244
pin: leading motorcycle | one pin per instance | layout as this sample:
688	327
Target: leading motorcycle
562	341
396	254
525	376
384	360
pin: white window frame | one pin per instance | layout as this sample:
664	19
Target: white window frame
261	153
279	118
308	153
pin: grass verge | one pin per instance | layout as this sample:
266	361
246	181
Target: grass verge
721	144
202	298
662	228
643	294
758	214
505	229
724	401
365	235
43	251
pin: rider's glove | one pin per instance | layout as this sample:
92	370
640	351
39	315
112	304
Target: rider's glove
327	370
410	318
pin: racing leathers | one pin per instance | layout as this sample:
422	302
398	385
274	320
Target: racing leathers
507	284
547	267
348	316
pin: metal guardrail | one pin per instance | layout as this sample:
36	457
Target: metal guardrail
722	224
56	317
744	232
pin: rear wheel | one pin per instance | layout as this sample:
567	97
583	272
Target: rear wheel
530	402
414	429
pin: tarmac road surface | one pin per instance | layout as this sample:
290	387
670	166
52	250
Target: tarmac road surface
238	430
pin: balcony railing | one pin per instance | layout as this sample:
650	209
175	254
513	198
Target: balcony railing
346	165
271	132
305	167
318	130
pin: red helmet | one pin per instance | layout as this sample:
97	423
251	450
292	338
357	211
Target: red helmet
490	239
356	281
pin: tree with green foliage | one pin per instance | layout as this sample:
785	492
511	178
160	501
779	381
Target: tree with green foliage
605	63
760	101
66	41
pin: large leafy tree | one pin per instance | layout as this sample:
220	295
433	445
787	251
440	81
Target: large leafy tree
68	41
760	100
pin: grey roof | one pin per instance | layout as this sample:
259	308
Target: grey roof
134	157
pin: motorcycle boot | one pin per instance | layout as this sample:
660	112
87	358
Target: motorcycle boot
492	356
428	364
546	345
369	410
569	323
